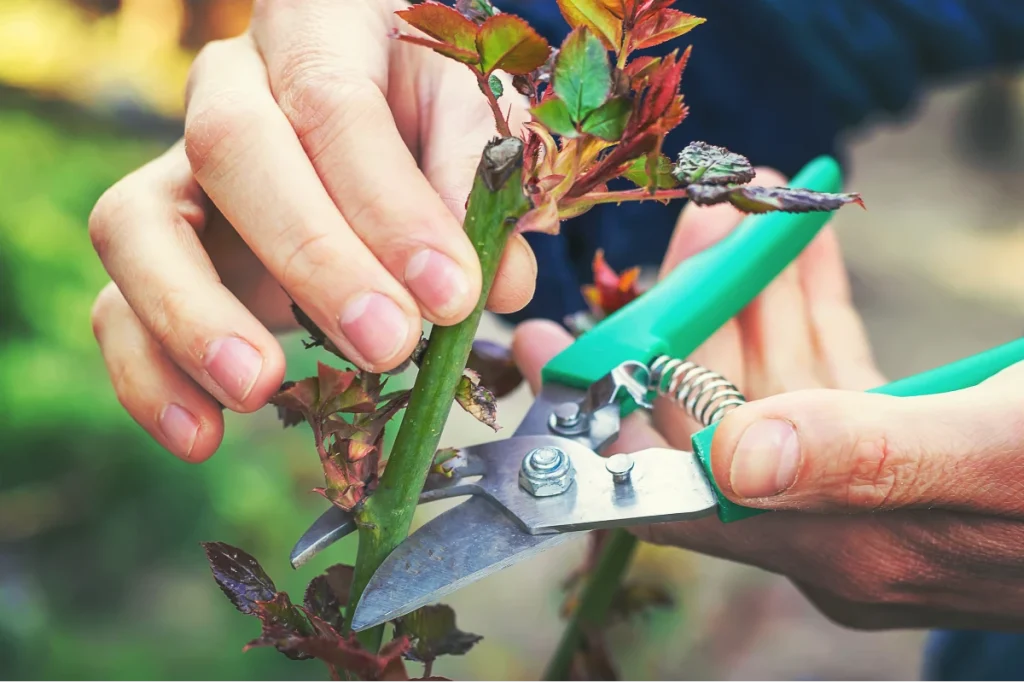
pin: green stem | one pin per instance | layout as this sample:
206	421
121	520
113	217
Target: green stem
594	603
495	204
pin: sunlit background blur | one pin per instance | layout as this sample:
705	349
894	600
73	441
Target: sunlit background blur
101	575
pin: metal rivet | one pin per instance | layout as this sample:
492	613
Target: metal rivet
567	414
620	466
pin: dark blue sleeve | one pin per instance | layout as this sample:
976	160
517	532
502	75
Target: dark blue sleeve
974	656
778	81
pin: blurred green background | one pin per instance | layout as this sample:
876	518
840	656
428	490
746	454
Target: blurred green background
101	574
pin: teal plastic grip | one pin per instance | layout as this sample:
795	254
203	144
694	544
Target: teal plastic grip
679	313
958	375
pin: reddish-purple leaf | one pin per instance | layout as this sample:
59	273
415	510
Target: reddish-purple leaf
477	400
508	43
755	199
340	653
432	632
661	27
496	366
444	24
610	291
297	402
595	15
327	594
239	576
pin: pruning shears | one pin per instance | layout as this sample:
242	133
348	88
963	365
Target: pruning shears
547	483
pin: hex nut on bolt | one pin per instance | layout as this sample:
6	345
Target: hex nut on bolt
546	471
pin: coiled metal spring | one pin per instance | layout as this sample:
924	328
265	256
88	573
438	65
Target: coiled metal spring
705	395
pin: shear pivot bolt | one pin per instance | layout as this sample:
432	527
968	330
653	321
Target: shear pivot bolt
567	414
546	471
620	466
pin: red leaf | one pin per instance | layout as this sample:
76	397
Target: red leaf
508	43
661	27
544	219
610	291
464	56
598	16
442	23
661	107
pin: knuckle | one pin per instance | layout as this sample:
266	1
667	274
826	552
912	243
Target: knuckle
106	303
104	217
323	100
213	129
878	476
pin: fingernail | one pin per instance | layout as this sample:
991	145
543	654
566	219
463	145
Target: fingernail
180	428
766	460
375	325
437	281
234	365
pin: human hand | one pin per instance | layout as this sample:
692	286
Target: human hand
321	159
946	470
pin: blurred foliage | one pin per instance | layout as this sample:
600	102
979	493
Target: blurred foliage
101	572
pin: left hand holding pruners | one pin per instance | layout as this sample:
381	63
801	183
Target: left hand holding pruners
947	470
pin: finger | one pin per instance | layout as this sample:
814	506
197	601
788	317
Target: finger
777	343
150	248
330	72
839	336
246	156
534	343
155	392
450	153
829	450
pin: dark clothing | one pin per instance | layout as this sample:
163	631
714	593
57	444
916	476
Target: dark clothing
779	81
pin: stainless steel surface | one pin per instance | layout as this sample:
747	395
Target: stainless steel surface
704	394
546	471
619	466
454	549
335	524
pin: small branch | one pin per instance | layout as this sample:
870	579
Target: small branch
638	195
495	204
594	603
499	120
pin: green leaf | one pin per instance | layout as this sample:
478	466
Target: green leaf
508	43
554	115
711	165
637	173
755	199
432	633
609	120
475	10
494	83
444	24
582	77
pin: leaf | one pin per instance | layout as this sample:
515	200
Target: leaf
610	291
543	219
476	11
496	366
755	199
582	75
340	653
637	173
432	632
497	89
327	594
441	458
476	399
239	576
711	165
444	24
608	121
554	115
508	43
296	402
450	51
595	15
317	336
661	27
661	107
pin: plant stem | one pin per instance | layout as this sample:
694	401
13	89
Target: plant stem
495	204
596	599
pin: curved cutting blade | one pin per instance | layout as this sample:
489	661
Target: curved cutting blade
464	544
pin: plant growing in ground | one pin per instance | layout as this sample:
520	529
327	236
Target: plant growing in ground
599	115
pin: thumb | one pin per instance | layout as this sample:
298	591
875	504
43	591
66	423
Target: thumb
837	451
534	343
